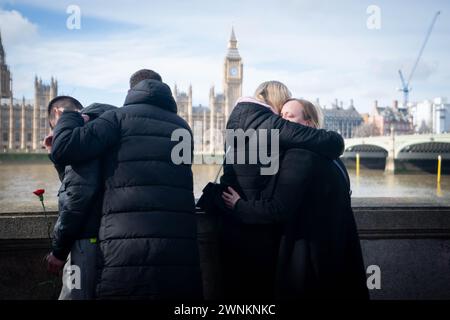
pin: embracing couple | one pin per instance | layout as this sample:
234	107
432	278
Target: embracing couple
290	235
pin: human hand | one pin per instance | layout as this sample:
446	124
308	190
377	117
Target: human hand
85	117
230	198
48	141
54	265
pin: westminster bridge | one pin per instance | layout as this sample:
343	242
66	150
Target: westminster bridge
396	148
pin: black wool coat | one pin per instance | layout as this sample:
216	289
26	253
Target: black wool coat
319	253
148	232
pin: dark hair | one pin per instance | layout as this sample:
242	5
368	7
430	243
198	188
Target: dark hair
67	102
143	74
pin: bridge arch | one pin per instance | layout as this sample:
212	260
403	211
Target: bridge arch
365	148
380	142
365	151
423	150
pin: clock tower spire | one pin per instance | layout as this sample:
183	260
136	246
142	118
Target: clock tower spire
2	51
5	75
233	74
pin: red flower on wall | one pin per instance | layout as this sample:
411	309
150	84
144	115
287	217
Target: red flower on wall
40	194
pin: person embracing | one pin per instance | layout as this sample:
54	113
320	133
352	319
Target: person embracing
148	232
248	251
74	239
319	254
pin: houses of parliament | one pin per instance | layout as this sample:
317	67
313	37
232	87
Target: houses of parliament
23	125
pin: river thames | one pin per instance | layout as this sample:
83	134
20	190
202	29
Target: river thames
18	181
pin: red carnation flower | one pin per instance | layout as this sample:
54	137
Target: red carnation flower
39	192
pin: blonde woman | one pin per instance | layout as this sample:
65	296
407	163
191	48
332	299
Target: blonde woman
272	93
248	252
319	253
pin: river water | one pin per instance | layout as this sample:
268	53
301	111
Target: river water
18	181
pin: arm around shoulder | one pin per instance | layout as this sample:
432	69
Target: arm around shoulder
74	141
293	135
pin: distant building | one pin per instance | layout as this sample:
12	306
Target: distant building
23	125
441	116
391	117
342	120
208	123
365	117
5	75
431	116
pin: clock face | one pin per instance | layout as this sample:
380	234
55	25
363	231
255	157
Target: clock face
233	71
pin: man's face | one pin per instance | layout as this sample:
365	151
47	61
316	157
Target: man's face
294	112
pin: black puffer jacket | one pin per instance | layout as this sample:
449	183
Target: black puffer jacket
79	198
148	232
255	247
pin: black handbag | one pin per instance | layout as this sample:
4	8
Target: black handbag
211	199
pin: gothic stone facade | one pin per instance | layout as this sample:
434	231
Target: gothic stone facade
342	120
23	125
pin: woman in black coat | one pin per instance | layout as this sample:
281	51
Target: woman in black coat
319	252
246	249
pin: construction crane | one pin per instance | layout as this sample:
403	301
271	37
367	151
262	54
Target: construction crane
405	84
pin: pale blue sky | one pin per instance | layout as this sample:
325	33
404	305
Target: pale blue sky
318	48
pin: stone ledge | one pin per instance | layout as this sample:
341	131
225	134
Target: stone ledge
375	217
409	239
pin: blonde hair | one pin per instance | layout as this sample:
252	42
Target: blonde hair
311	112
273	93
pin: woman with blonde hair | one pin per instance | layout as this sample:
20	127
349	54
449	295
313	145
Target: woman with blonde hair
248	252
273	93
318	253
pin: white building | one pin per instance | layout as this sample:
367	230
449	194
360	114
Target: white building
431	116
441	115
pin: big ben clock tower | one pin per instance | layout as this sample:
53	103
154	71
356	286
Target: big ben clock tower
233	74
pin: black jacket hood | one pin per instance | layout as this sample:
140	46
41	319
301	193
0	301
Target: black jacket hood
95	110
152	92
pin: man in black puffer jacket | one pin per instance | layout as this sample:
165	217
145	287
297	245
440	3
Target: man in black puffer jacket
79	205
148	232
